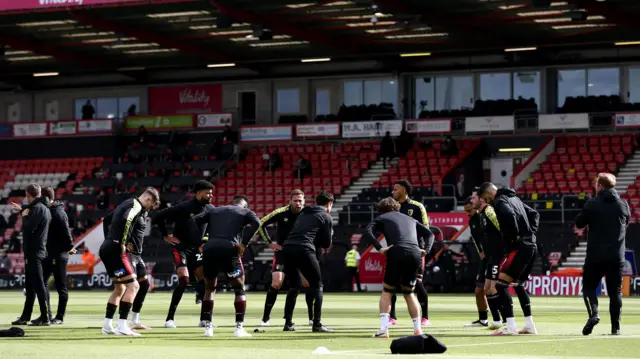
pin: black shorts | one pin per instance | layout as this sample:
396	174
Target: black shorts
138	265
277	265
519	262
115	262
190	258
480	276
401	272
222	258
492	269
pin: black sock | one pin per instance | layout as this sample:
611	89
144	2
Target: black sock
125	308
240	305
206	310
392	313
615	308
505	300
200	289
111	310
483	315
309	298
423	299
318	296
494	306
270	301
591	301
525	301
142	293
177	297
290	305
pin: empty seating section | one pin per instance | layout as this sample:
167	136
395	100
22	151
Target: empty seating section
633	197
576	162
424	167
333	166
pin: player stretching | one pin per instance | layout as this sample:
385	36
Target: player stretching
186	254
414	209
314	226
404	258
114	254
223	249
477	235
284	218
518	224
493	248
137	264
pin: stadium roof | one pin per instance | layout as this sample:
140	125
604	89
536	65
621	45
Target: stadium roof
132	41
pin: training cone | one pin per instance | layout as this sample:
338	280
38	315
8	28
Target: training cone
321	351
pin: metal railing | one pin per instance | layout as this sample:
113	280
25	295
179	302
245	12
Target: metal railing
564	209
373	212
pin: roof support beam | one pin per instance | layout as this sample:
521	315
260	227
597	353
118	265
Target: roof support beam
162	40
278	24
48	50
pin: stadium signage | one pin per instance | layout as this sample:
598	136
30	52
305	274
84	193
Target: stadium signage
371	128
63	128
266	133
318	130
565	121
628	120
428	126
8	5
565	286
214	120
489	124
29	129
158	123
93	126
185	99
448	219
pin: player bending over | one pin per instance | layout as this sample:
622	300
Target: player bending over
518	224
186	254
114	253
404	258
284	218
414	209
228	236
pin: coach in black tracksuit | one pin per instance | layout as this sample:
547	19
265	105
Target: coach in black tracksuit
59	243
607	216
35	228
313	226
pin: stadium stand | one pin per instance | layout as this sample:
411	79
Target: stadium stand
632	195
333	167
424	166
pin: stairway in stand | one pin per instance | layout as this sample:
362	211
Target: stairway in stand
365	181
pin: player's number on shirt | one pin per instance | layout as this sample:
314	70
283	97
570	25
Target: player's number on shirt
198	257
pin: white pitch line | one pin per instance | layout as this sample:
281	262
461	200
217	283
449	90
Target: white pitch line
366	351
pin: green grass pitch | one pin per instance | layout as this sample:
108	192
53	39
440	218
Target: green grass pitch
353	316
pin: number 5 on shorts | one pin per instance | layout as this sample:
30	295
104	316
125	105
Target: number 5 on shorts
494	270
198	257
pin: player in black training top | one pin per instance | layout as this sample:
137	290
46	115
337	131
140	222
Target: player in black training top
607	216
314	227
114	253
284	217
186	251
414	209
518	224
229	231
138	265
404	254
477	236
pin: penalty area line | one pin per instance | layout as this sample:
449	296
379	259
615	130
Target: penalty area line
370	351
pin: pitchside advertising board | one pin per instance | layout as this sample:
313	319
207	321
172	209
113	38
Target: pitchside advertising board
367	129
318	130
565	121
159	122
628	120
266	133
214	120
88	282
